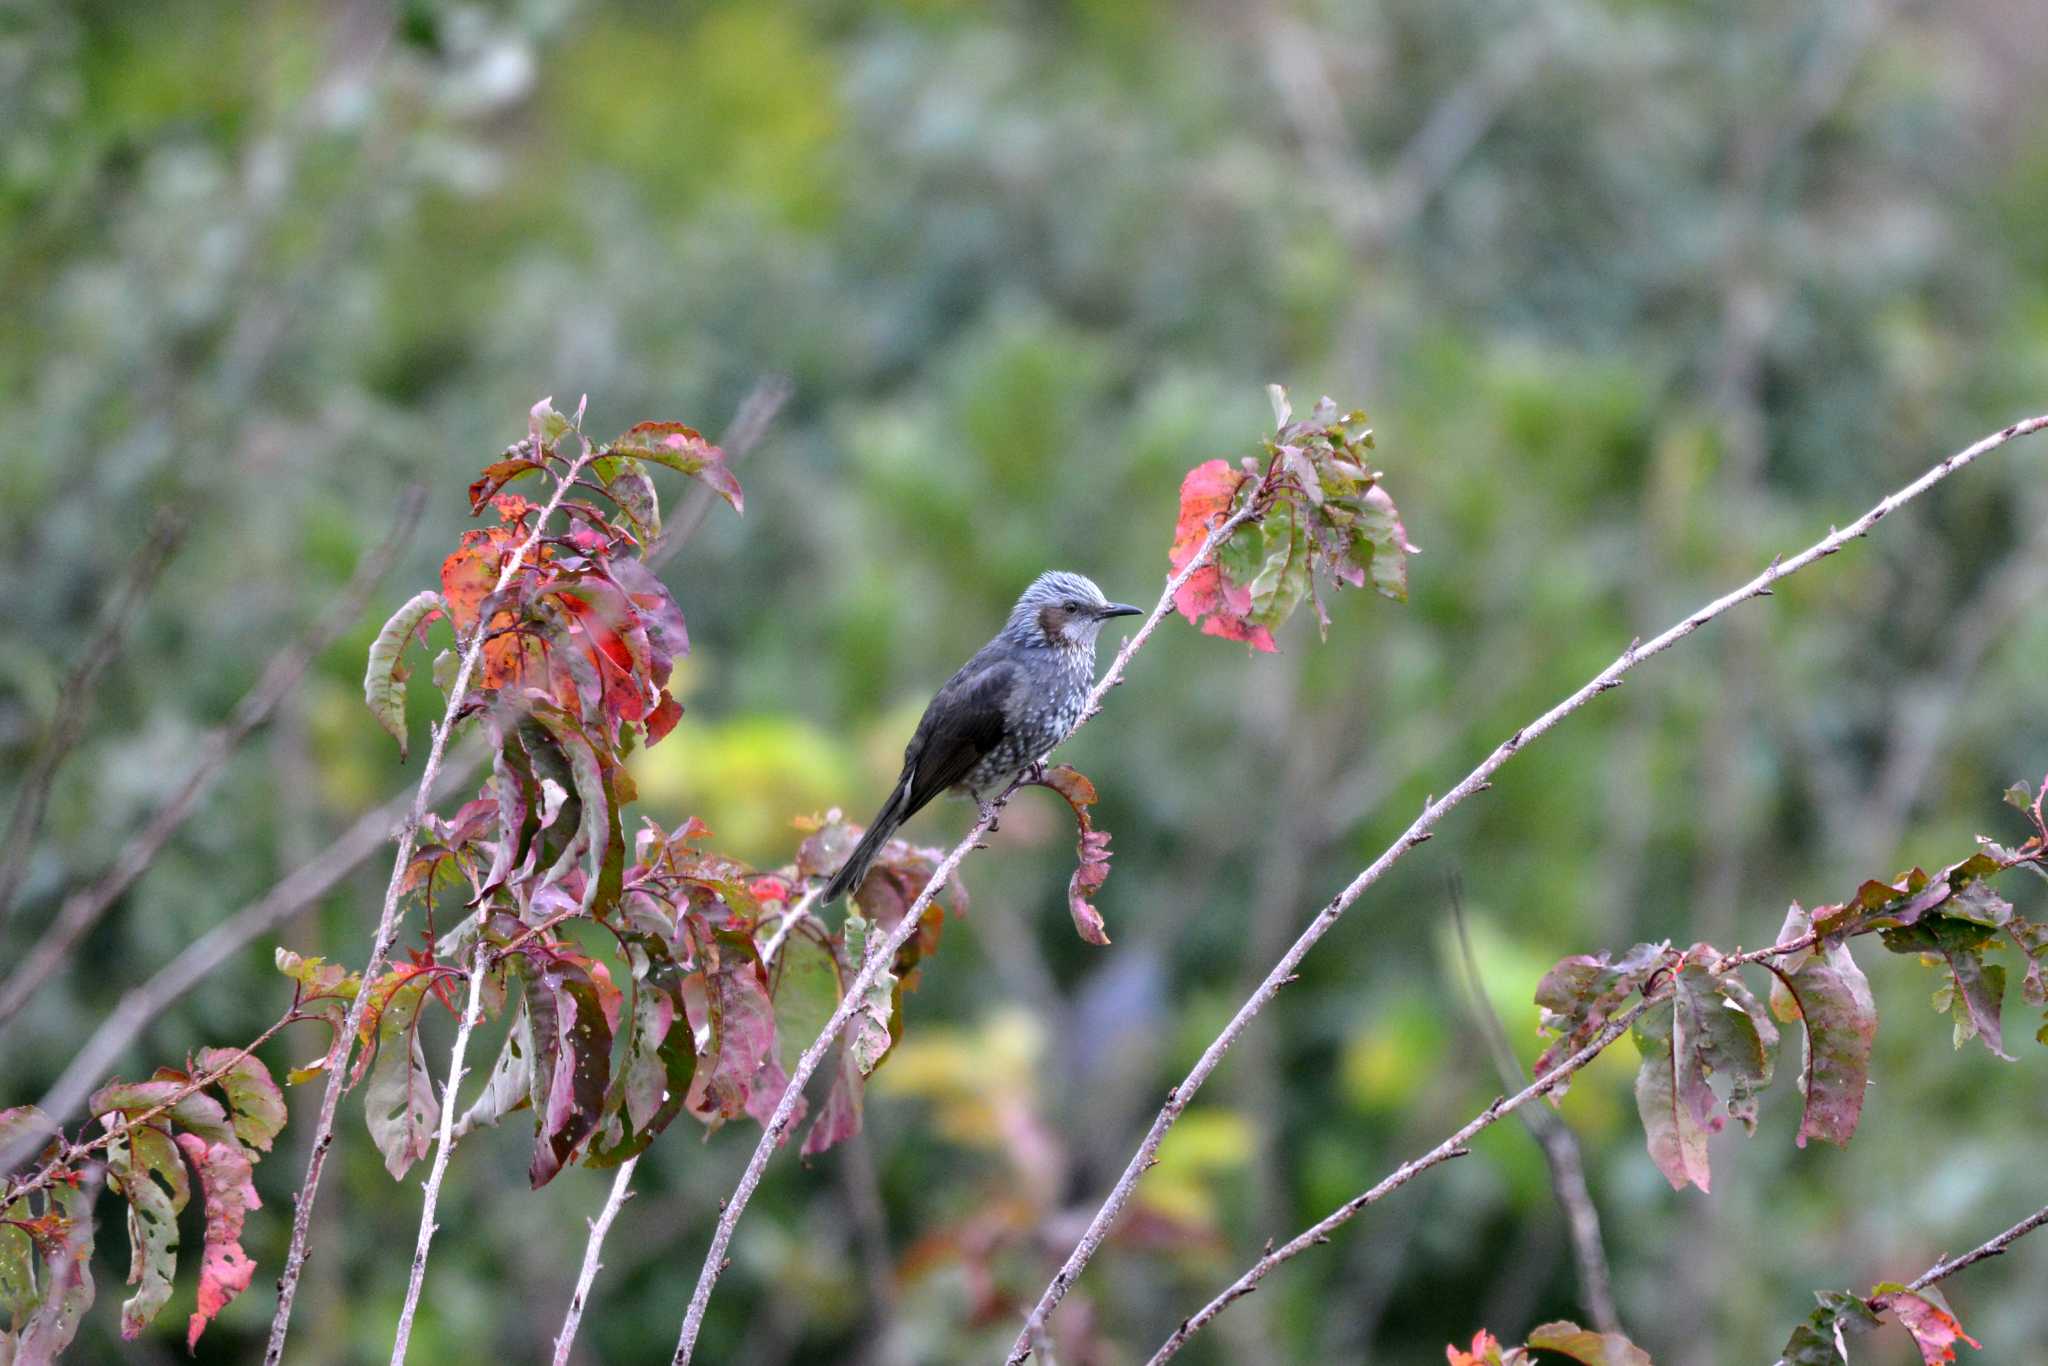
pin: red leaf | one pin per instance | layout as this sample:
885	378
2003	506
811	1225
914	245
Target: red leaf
1208	599
225	1269
1092	867
1935	1330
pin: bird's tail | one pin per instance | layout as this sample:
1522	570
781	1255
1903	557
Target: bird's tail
854	871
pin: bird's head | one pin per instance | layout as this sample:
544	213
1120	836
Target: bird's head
1062	610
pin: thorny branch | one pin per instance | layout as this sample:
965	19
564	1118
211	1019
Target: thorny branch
882	953
1424	826
84	908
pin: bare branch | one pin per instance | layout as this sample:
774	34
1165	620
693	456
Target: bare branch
1424	826
25	822
1942	1270
1560	1145
387	931
83	909
884	952
599	1227
479	968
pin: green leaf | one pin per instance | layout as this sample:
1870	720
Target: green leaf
384	680
46	1280
1585	1345
399	1101
508	1088
545	425
1823	1339
1282	580
868	1036
143	1166
257	1103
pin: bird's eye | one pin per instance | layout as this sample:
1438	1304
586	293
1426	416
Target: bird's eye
1071	605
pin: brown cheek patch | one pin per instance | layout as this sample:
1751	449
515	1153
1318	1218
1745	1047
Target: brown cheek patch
1052	620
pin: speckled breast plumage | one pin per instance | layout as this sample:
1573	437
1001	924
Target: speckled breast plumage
1045	709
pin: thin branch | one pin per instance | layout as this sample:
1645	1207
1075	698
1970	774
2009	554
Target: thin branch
479	968
387	931
1942	1270
1560	1145
884	952
1424	826
25	822
84	909
69	1154
621	1191
1454	1146
1948	1267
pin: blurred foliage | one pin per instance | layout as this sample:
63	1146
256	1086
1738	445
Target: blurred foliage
1638	294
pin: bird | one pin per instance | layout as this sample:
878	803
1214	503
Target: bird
1020	695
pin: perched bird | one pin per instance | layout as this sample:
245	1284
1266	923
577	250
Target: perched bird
1019	696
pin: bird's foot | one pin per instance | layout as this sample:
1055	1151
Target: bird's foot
988	812
1034	774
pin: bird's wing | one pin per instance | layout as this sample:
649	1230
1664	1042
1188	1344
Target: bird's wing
963	723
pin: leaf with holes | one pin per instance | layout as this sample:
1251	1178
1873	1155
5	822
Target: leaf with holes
144	1168
574	1008
226	1180
253	1097
398	1101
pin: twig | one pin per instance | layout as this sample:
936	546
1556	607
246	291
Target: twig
25	822
83	909
387	931
70	1153
479	968
1942	1270
884	952
599	1227
791	918
1424	825
1560	1145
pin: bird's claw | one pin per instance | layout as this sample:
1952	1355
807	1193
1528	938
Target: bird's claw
1035	773
988	812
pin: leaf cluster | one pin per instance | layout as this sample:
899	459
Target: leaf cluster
1320	516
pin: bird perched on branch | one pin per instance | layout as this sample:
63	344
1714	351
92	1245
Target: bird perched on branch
1019	696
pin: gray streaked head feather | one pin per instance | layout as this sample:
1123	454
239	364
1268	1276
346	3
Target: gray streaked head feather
1055	588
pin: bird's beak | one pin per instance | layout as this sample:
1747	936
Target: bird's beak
1119	609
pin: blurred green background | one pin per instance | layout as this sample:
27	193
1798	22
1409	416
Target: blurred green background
1638	292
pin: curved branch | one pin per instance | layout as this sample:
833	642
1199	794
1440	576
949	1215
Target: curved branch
883	952
1424	826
